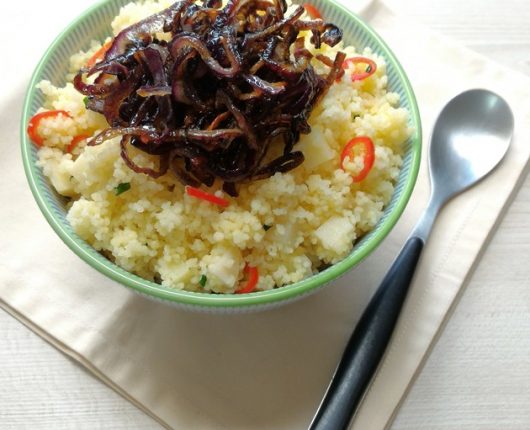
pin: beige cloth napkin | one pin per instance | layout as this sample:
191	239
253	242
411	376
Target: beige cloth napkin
266	370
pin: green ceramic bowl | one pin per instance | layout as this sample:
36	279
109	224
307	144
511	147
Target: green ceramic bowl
95	24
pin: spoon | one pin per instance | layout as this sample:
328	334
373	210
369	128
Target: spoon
470	138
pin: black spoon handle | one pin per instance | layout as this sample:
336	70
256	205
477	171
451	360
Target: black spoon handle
368	343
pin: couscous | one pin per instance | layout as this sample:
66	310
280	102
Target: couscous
278	230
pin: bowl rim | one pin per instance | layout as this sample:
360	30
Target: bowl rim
209	300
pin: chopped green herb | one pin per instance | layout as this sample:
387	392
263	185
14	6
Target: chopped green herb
120	189
85	101
203	280
368	68
267	227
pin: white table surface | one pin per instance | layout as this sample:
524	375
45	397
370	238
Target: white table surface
478	374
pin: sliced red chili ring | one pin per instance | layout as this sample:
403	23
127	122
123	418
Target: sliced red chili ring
252	281
370	69
368	149
99	54
312	11
34	123
75	141
203	195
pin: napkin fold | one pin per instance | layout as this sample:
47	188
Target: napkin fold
270	369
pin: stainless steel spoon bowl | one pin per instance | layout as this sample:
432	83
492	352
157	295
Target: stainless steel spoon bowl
470	138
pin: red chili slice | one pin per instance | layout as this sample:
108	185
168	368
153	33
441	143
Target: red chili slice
75	141
203	195
312	11
35	122
252	281
99	54
368	153
371	67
